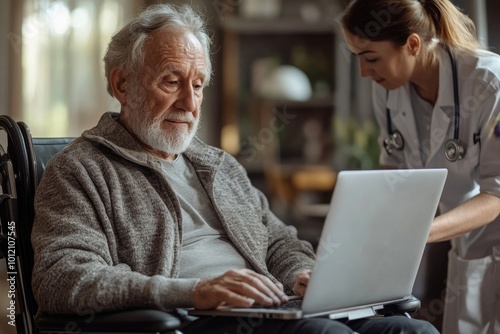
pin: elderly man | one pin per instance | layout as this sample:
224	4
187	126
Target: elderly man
138	212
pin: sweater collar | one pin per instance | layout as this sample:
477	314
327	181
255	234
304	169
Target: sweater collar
113	135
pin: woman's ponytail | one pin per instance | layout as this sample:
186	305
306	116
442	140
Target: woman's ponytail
454	29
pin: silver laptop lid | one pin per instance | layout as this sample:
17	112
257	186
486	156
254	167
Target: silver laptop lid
373	239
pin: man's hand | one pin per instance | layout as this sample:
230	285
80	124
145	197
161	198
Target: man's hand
239	288
301	281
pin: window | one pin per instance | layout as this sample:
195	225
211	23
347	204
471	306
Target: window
64	41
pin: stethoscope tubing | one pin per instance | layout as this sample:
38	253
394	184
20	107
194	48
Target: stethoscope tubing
455	95
394	135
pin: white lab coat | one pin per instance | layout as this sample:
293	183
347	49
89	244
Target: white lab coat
472	303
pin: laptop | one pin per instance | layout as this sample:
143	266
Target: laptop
370	247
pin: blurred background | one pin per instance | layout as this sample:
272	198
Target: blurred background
285	99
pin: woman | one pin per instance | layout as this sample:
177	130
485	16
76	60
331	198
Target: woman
437	101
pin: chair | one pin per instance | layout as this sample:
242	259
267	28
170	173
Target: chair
21	167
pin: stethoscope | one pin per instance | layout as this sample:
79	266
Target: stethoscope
454	148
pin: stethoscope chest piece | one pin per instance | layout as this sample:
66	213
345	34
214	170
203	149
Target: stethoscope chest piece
395	141
454	150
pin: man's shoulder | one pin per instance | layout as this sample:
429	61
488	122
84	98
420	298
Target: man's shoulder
79	151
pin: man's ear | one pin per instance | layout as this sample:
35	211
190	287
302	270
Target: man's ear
119	84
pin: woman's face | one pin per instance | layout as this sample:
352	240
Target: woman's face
387	64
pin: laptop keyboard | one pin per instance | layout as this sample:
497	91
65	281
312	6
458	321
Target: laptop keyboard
290	305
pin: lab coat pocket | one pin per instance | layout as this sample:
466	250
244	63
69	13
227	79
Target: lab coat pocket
472	295
471	157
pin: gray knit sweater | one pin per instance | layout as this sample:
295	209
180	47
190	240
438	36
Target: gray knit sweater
108	230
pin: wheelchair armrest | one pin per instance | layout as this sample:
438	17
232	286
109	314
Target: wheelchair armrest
139	321
410	305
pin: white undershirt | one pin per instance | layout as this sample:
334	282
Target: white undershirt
423	118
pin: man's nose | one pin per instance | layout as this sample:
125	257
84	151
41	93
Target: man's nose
187	99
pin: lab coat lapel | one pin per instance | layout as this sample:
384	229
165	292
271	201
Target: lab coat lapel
443	113
403	119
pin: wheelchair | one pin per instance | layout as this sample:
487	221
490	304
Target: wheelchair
22	164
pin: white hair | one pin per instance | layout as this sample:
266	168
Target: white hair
126	48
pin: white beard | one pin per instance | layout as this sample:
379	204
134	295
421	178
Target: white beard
149	131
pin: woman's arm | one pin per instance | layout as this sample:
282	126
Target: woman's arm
476	212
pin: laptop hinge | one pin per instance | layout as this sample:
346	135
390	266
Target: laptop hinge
356	314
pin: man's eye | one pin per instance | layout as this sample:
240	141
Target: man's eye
172	83
371	60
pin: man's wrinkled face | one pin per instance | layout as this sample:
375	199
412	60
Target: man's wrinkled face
163	102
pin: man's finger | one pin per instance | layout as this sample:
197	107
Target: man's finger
269	288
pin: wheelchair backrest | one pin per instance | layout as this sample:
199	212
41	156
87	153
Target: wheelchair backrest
22	164
44	149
